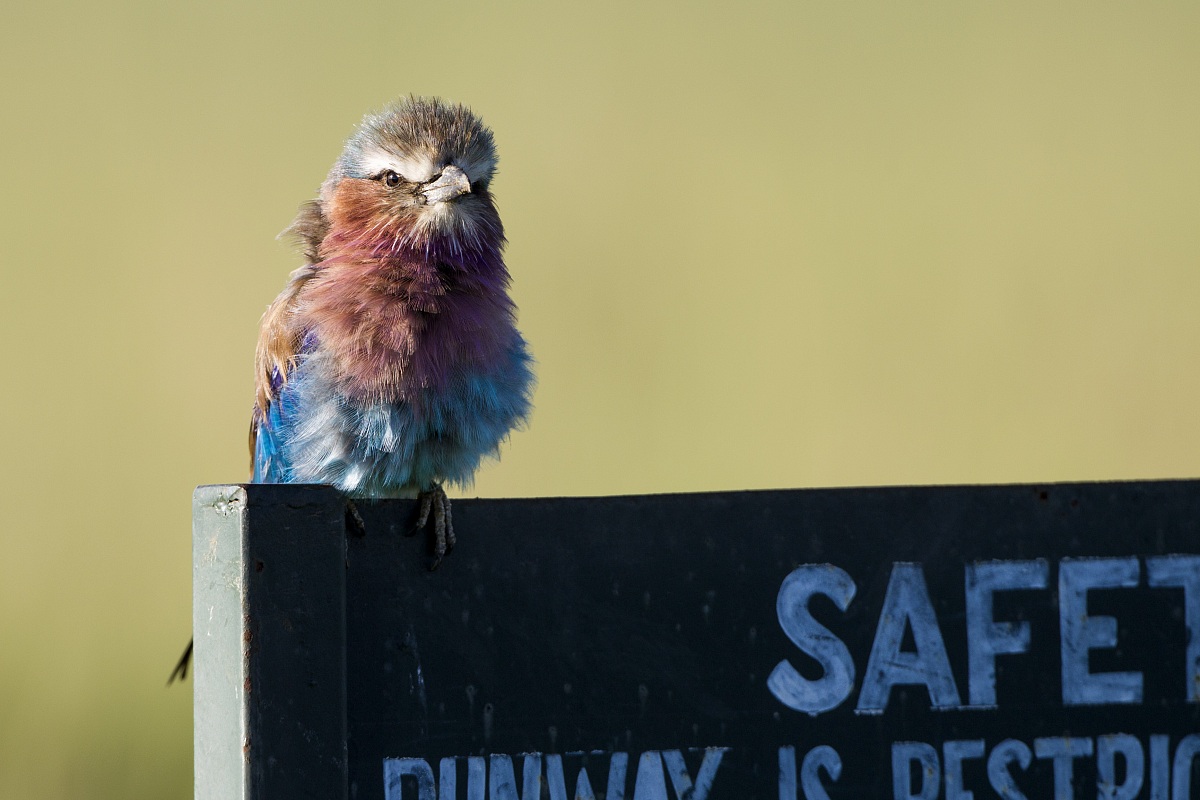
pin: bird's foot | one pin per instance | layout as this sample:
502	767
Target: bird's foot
354	520
435	504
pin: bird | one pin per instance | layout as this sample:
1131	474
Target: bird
391	363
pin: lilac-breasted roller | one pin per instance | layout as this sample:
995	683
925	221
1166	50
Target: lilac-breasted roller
391	362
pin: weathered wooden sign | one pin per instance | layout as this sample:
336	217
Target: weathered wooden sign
901	643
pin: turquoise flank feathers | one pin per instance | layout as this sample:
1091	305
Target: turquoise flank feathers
313	434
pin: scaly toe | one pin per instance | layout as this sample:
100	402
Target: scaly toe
422	519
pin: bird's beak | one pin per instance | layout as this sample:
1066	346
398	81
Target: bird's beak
449	185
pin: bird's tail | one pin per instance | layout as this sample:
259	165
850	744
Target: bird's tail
185	661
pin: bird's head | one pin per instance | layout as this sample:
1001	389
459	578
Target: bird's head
415	175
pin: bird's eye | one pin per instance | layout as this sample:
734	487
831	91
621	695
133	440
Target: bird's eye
390	179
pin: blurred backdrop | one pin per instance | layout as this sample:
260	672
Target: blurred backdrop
754	245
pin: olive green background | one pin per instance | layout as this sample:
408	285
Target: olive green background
754	245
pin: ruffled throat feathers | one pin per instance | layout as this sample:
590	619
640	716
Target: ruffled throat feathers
409	310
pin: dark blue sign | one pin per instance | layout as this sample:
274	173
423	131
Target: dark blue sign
902	643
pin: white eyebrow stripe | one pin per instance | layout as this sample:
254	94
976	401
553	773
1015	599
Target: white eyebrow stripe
416	169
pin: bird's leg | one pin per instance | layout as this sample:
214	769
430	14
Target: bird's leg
434	502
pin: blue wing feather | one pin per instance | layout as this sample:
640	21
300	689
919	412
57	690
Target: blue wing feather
270	463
